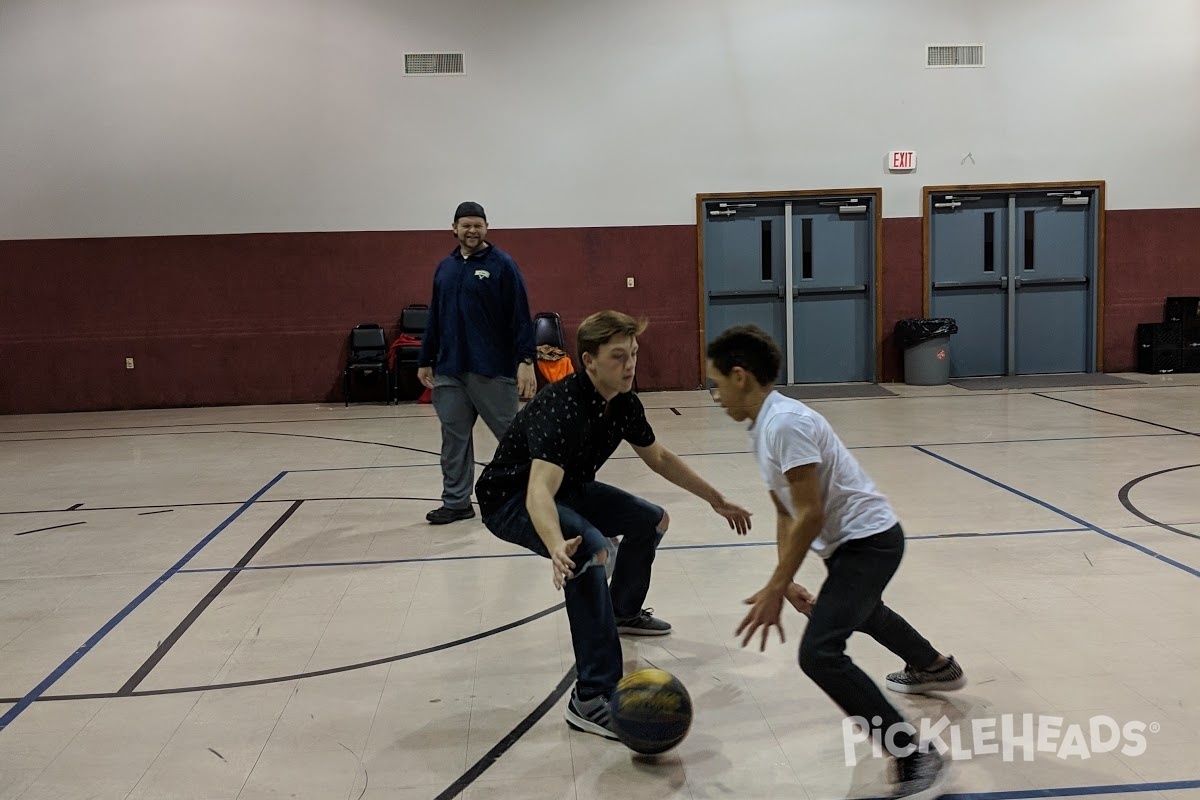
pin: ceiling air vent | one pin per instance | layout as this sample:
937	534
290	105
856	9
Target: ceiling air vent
433	64
954	55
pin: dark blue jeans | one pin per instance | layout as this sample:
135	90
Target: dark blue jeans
850	600
597	512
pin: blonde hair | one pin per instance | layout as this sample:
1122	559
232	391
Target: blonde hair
603	326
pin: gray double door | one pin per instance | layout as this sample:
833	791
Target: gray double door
1017	273
803	270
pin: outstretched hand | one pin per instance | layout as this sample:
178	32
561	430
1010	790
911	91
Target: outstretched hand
737	517
767	606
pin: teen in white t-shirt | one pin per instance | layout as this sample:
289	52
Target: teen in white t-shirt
826	503
787	434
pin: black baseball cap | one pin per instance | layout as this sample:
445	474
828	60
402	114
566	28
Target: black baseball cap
469	209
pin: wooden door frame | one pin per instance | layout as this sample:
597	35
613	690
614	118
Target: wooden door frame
876	193
996	188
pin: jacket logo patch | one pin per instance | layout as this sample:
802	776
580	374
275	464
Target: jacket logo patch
482	273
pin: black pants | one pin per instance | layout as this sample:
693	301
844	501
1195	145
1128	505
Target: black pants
851	600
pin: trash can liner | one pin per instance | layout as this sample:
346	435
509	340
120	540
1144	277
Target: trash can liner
910	332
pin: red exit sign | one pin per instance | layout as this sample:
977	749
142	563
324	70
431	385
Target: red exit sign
902	160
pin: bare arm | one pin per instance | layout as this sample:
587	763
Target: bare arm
794	542
544	481
800	598
671	467
795	534
783	520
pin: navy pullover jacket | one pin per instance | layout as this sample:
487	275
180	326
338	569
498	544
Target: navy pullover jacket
479	318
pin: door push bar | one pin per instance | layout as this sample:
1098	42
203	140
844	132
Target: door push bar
1002	283
998	283
1052	281
829	290
748	294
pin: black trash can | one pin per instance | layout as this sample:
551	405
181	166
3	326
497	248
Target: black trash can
926	345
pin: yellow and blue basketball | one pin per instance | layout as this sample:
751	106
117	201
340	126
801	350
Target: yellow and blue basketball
651	711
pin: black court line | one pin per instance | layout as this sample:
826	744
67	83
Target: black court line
52	527
228	503
613	458
1123	496
351	469
1115	414
299	675
221	433
249	433
511	738
161	651
943	444
665	548
385	417
675	411
978	393
212	424
39	691
161	511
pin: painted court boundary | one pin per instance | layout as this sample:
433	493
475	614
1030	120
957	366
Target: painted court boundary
180	565
95	638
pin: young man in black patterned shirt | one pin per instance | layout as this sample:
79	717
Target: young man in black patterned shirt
540	492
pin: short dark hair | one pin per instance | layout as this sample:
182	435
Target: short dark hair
748	347
602	326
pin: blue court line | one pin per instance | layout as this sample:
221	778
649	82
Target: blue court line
427	559
1071	791
86	647
1059	511
1076	791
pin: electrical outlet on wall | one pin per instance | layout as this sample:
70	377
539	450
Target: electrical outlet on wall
129	363
629	282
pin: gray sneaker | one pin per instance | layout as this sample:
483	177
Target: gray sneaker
916	681
644	624
590	716
919	776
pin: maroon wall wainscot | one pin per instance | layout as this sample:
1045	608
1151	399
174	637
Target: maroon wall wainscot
264	318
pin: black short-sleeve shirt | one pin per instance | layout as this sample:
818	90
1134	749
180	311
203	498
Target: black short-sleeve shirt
568	424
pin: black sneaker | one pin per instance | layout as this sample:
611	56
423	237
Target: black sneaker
644	624
919	776
590	716
444	515
914	681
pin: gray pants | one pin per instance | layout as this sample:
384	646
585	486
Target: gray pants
459	401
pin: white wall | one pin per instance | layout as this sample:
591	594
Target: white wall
134	117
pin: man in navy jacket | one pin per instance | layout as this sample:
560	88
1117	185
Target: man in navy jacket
478	352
